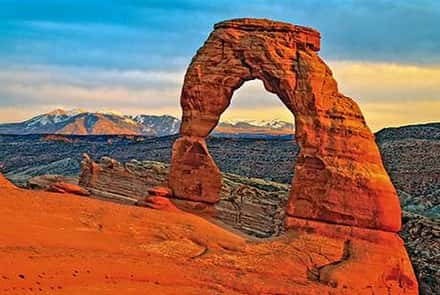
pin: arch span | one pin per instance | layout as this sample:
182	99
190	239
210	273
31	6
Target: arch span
339	176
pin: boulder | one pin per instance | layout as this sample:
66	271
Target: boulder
158	203
160	191
68	188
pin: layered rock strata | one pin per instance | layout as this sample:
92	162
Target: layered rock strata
253	206
372	260
339	176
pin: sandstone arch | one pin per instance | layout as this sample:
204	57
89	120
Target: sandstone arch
339	176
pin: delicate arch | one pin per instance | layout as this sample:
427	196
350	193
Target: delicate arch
339	176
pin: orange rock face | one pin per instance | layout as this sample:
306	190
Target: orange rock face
194	175
160	191
339	176
160	203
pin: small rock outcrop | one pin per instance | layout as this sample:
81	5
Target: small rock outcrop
132	179
158	203
57	184
160	191
339	176
68	188
253	206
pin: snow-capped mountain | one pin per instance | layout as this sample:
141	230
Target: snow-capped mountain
255	127
163	125
47	120
275	124
80	122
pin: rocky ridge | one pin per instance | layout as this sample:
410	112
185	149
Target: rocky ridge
422	240
253	206
79	122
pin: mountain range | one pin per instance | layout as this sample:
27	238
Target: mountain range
79	122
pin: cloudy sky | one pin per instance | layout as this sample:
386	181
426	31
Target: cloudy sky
130	56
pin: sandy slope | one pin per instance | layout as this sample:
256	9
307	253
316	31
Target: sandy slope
64	244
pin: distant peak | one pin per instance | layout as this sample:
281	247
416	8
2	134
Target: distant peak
257	122
110	112
57	112
61	112
76	111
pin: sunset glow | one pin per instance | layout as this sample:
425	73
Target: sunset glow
137	65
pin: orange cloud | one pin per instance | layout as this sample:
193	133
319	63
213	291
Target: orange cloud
388	94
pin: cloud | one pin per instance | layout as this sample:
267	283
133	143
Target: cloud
43	87
388	94
386	114
386	81
163	35
391	94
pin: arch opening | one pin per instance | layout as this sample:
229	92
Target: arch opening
255	124
339	176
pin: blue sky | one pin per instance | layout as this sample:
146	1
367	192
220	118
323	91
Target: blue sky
130	56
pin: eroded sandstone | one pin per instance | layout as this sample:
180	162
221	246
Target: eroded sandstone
339	176
77	245
253	206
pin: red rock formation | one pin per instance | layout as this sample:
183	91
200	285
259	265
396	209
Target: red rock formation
339	176
131	179
160	191
194	175
44	182
158	203
64	244
253	206
70	188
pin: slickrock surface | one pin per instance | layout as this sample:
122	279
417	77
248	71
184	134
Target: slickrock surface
65	244
253	206
339	176
6	183
409	149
